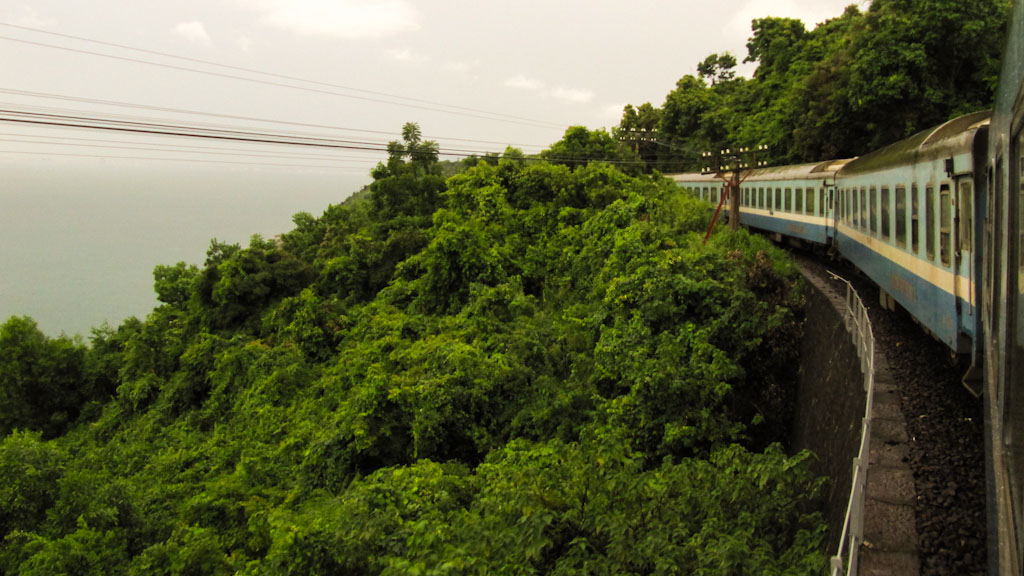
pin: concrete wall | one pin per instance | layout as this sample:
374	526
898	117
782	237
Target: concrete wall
830	397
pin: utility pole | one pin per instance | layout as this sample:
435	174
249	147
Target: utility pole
637	136
732	166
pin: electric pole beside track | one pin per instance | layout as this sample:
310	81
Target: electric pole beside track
732	166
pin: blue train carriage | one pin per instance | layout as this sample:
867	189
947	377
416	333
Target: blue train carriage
1003	311
791	202
910	216
707	187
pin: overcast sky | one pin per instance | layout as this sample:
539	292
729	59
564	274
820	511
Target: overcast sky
487	72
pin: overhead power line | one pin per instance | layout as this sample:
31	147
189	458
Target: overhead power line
371	96
186	160
128	124
164	146
115	103
236	134
121	145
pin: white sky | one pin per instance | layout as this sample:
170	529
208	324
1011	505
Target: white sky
557	62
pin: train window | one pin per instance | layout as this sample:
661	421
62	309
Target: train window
778	199
886	232
915	229
945	224
760	198
863	209
810	202
966	208
714	196
873	210
856	208
901	216
929	222
789	199
798	201
851	207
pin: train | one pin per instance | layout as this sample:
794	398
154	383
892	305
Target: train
936	221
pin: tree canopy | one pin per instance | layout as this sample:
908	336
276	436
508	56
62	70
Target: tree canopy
851	85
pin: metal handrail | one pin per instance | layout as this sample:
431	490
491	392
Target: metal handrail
859	326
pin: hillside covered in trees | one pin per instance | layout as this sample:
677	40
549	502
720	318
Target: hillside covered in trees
851	85
524	368
515	365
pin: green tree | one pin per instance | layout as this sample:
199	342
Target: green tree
29	471
237	288
717	68
579	147
410	183
851	85
639	129
42	380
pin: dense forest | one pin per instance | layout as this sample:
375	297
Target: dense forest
524	368
851	85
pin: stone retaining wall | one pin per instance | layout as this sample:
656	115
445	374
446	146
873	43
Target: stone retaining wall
828	420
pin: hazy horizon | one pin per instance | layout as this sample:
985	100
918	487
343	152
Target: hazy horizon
78	243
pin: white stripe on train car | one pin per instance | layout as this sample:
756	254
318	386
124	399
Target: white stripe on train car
923	269
804	218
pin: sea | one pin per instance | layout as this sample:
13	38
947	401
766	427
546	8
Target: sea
79	241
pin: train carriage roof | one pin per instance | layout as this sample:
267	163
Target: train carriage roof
950	138
813	171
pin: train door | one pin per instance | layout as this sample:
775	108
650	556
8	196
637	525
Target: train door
964	246
826	199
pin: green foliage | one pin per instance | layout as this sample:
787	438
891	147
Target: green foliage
42	380
410	183
241	286
558	508
717	68
852	84
528	368
29	472
579	147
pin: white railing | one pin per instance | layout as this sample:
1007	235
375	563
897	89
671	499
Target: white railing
859	327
